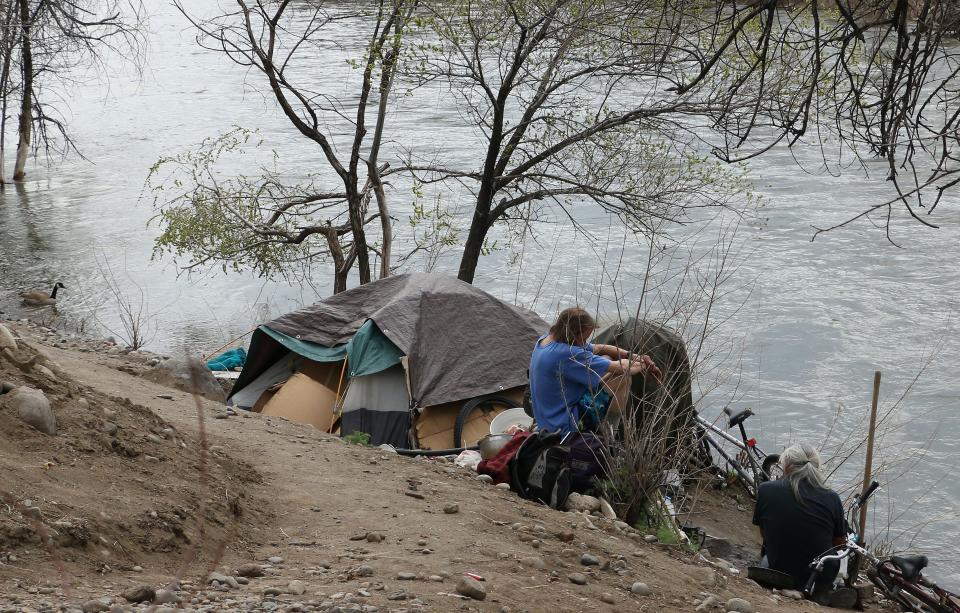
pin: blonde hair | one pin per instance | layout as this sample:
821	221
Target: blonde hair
803	463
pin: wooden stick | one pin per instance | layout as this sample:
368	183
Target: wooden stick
867	476
868	464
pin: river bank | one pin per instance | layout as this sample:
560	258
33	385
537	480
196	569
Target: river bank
126	500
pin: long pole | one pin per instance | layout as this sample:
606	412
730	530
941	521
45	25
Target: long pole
868	464
867	474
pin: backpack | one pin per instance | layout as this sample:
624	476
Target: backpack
588	460
539	470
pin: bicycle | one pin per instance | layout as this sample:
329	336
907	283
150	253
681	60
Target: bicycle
762	466
899	578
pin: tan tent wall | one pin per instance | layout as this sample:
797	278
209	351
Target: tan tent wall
309	396
434	426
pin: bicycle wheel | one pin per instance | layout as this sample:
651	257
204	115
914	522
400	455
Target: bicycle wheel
771	467
469	408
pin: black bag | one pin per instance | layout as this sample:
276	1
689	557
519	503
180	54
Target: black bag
539	470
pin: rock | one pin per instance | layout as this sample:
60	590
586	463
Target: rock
46	372
176	372
450	509
7	340
374	537
608	598
275	560
650	538
223	580
708	604
166	597
794	594
706	577
485	478
503	486
436	578
640	589
719	547
582	502
405	576
577	578
398	595
606	510
32	408
139	593
740	605
96	606
109	428
249	570
272	591
470	587
589	560
296	587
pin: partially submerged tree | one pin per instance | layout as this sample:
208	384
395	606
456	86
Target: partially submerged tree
616	102
43	40
268	221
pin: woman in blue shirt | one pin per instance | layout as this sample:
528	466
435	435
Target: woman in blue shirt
574	383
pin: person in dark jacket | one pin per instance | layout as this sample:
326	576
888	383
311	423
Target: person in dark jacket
801	518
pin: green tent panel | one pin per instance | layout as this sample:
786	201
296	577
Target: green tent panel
368	352
311	351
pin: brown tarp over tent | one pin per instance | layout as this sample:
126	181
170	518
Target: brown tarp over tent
450	341
460	341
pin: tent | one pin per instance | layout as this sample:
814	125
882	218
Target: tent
396	359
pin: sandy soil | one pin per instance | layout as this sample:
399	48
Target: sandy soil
346	520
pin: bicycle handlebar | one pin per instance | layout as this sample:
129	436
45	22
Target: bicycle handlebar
862	499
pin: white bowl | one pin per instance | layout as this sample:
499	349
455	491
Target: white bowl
510	417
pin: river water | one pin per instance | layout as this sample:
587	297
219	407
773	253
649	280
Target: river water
803	325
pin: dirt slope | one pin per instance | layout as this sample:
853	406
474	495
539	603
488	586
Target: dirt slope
280	489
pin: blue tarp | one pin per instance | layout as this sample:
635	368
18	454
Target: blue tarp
228	360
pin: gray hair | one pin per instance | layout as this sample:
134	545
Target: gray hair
803	463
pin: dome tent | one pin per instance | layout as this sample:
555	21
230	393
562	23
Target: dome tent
393	353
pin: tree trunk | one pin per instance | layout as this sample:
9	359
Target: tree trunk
473	248
26	105
8	44
360	247
340	271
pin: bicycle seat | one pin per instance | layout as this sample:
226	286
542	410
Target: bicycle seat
738	418
910	566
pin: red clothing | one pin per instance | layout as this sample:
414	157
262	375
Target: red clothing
498	466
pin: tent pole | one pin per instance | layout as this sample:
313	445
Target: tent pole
336	402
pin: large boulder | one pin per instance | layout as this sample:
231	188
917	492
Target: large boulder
175	372
33	408
7	340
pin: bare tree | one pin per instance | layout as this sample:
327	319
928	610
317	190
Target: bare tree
44	40
614	102
264	216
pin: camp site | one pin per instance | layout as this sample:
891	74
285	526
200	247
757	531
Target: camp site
502	306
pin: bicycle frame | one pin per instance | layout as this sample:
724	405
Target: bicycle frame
885	575
920	595
754	453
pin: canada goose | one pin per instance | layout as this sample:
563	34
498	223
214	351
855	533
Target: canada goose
41	298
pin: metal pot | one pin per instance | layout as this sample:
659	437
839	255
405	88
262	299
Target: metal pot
491	444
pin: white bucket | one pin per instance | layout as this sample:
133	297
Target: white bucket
510	417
